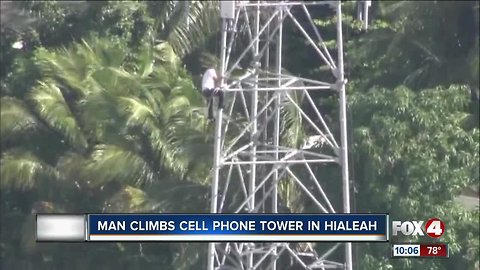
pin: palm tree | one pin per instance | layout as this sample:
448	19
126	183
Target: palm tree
114	128
109	129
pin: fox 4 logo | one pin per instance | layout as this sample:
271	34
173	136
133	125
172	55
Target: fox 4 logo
434	228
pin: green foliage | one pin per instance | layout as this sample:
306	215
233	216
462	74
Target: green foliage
419	44
99	115
123	124
104	111
22	170
16	119
413	156
133	24
52	107
193	29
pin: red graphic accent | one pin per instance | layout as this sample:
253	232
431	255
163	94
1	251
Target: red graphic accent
433	250
435	227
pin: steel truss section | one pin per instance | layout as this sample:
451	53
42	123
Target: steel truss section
255	167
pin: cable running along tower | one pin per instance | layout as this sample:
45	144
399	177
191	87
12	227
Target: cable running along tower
259	165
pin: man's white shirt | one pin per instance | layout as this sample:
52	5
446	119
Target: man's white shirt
208	81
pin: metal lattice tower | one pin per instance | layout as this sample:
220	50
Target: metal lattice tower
254	166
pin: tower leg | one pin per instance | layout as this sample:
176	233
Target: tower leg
217	149
343	131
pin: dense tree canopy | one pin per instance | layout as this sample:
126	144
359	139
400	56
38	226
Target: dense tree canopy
99	113
403	152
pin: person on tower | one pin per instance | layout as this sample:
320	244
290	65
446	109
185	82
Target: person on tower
210	89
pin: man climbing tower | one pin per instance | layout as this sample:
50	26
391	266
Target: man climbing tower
210	89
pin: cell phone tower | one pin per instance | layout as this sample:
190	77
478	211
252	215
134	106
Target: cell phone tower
257	163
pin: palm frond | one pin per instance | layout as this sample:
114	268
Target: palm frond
185	87
115	80
129	199
162	11
203	20
292	129
100	116
70	165
175	196
52	108
74	65
291	196
68	66
165	55
16	118
137	112
21	170
146	61
167	151
111	163
107	54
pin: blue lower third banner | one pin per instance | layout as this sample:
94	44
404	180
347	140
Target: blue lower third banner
213	227
238	227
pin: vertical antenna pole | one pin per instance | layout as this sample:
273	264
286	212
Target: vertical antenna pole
343	130
217	146
365	14
276	131
253	134
254	112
